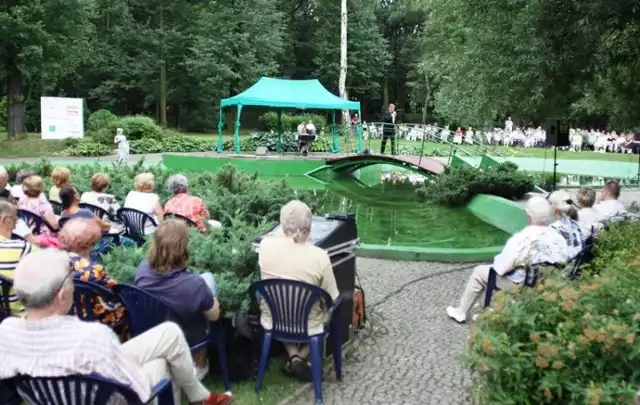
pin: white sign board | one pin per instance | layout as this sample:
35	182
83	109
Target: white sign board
61	118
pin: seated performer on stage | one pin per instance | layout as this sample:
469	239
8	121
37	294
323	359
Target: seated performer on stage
306	136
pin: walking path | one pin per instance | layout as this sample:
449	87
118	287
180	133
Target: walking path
413	361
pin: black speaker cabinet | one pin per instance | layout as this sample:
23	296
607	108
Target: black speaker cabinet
344	270
557	133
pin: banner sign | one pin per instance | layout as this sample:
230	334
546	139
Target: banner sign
61	118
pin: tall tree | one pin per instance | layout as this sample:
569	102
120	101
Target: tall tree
342	80
40	40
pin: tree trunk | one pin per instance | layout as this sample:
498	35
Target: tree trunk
427	95
163	71
342	81
15	107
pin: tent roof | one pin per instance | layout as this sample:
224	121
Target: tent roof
270	92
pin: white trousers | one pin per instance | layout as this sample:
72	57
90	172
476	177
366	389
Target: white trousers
477	284
163	352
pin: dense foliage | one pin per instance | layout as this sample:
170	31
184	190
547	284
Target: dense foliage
458	185
565	342
290	123
245	205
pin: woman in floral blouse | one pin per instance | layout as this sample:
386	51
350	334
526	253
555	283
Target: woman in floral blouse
79	237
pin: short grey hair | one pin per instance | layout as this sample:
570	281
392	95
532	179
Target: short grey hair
296	218
177	183
586	197
6	207
4	173
23	174
539	210
37	289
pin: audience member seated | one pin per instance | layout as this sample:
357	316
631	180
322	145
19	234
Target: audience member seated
189	206
33	200
16	191
609	205
37	340
566	224
164	273
144	199
587	215
288	256
21	229
97	195
71	209
60	177
537	243
78	237
11	251
5	187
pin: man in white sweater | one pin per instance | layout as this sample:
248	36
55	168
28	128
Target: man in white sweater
609	205
536	243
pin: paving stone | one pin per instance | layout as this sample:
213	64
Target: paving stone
412	360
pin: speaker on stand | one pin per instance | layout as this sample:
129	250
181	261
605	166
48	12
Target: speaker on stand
557	136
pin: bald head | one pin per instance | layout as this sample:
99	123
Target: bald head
39	277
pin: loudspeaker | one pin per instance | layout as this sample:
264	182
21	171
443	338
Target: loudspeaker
557	133
262	151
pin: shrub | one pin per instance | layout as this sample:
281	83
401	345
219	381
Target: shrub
137	127
100	119
89	148
181	144
458	185
291	122
103	136
565	342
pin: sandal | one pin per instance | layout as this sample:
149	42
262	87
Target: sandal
299	368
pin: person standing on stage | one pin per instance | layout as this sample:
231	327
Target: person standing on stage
389	129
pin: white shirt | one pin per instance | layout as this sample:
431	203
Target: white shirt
609	208
145	202
588	219
21	229
105	201
534	244
17	192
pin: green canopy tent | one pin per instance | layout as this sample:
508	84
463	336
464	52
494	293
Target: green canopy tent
284	93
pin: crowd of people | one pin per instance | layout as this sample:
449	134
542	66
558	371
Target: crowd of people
559	229
45	324
509	135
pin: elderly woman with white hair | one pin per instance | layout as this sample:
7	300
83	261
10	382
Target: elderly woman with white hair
566	223
5	187
286	255
186	205
144	199
536	243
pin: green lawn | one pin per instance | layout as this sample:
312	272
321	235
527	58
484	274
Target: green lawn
276	386
31	146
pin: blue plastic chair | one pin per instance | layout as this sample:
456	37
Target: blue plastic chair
84	293
134	222
84	390
6	298
98	211
290	303
35	222
146	311
532	275
57	207
189	222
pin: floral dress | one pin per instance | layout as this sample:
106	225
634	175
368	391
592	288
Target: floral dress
109	313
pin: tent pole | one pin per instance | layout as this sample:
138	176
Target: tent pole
236	130
220	146
336	142
359	129
279	147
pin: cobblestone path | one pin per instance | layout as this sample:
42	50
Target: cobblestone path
413	361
